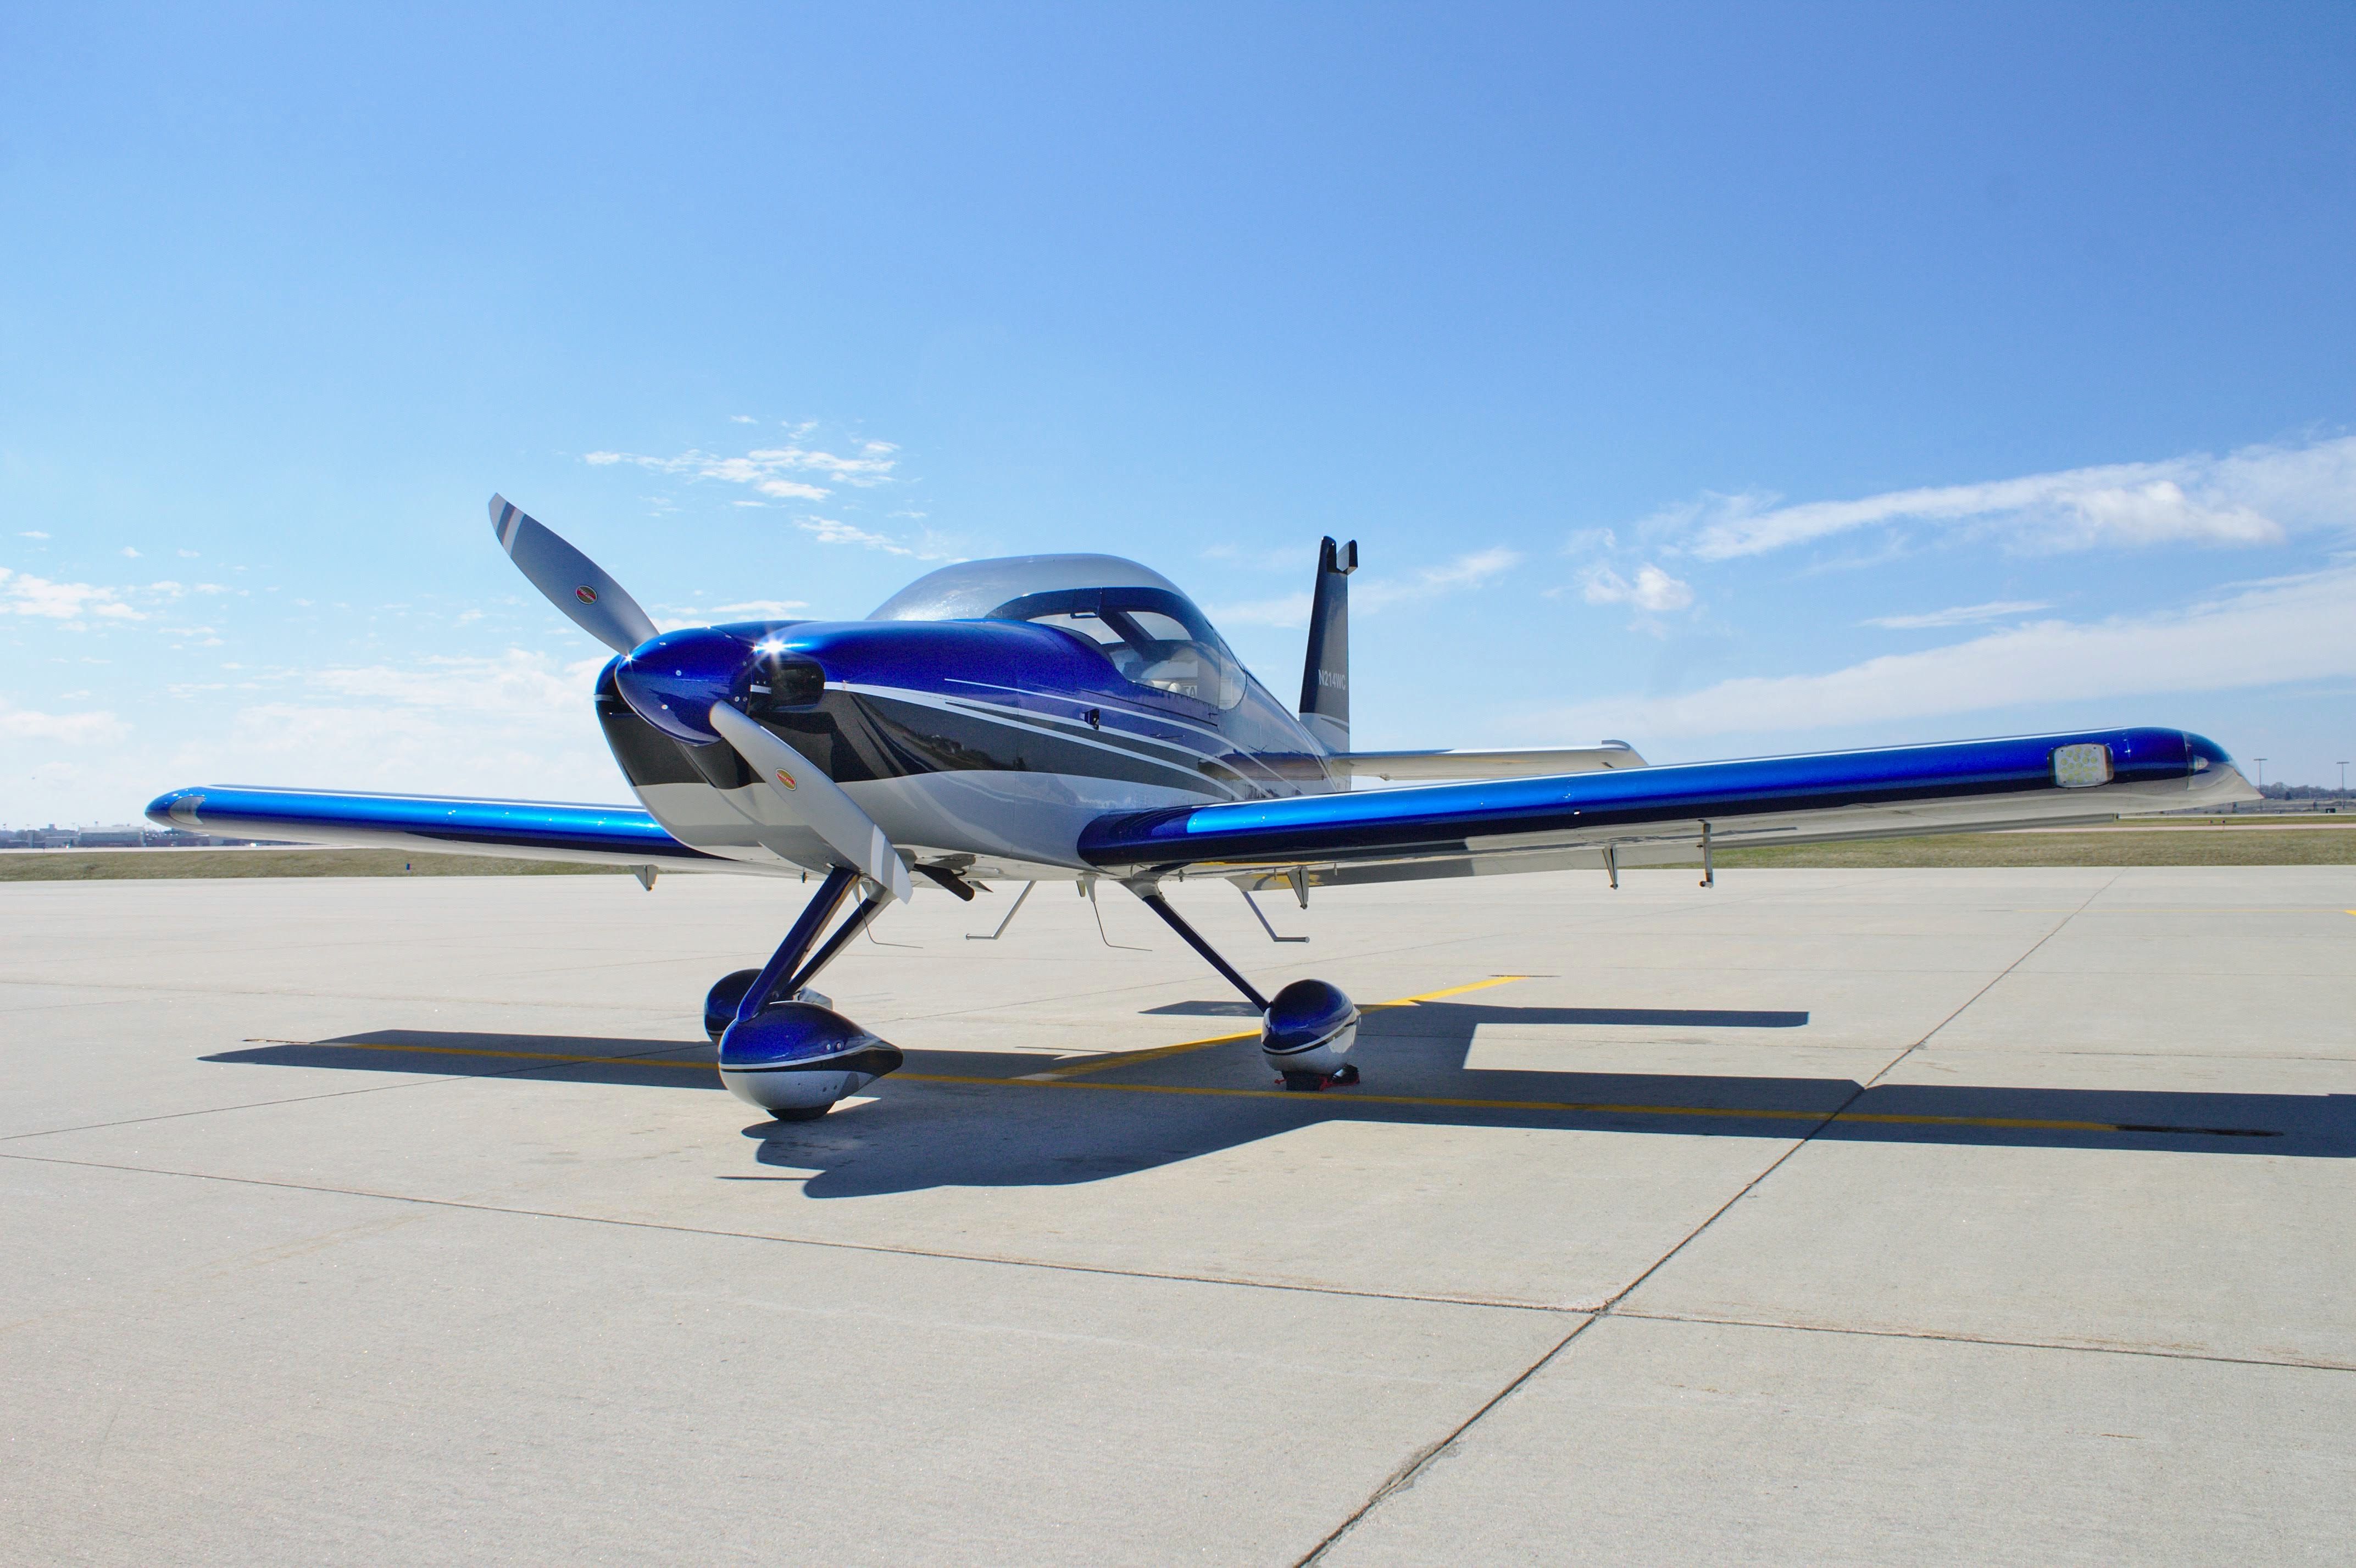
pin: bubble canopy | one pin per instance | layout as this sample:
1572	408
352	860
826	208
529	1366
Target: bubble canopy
972	590
1132	614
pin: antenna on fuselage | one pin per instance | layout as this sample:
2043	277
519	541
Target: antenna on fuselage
1325	675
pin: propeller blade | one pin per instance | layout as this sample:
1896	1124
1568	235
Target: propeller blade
814	800
572	583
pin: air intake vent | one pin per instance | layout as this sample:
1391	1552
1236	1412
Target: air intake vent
785	686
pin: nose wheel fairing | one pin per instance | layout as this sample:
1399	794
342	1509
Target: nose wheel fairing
781	1048
798	1056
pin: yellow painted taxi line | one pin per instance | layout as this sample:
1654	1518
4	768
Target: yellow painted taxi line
1131	1057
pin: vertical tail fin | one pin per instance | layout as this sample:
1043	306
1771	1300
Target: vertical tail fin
1325	679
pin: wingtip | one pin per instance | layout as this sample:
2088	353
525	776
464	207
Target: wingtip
176	809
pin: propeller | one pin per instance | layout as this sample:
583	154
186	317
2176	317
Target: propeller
572	583
816	801
689	683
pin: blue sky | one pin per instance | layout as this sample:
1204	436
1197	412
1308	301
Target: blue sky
1727	380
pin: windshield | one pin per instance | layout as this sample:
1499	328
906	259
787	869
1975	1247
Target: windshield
1152	636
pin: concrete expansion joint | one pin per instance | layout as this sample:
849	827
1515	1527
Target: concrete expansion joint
1404	1478
1214	1281
1935	1337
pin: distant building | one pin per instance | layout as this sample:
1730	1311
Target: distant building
123	836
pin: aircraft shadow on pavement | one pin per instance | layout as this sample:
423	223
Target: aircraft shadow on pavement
1128	1118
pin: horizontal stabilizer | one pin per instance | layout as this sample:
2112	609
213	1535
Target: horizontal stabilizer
1485	764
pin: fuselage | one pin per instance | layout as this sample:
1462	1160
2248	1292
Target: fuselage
981	744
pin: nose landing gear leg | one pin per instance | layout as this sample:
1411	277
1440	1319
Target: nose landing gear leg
794	1057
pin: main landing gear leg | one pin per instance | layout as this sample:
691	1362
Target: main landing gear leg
1304	1033
796	1058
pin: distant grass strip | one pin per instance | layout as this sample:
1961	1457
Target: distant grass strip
86	865
2106	847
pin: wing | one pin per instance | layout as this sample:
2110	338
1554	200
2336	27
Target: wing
513	829
1496	764
1659	813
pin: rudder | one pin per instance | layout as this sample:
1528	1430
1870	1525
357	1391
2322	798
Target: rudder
1325	675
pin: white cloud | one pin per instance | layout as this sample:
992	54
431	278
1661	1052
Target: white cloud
517	687
1292	610
2255	496
742	419
1473	571
2260	634
833	531
1960	615
188	555
129	553
73	602
770	470
410	749
516	725
70	729
1654	589
1375	595
32	534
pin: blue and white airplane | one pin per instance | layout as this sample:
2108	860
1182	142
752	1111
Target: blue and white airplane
1048	717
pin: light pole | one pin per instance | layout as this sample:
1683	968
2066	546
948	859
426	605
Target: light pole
2343	776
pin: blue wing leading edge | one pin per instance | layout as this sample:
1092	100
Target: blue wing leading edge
1660	813
525	830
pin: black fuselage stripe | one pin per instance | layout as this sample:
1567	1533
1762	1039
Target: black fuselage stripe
1227	761
1089	755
